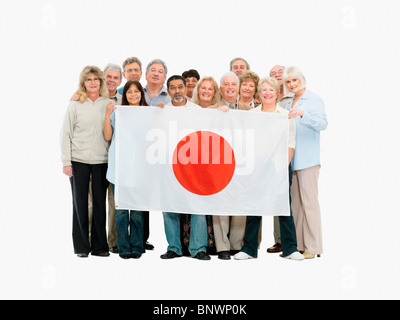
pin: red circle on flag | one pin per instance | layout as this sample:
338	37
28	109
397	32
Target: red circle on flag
204	163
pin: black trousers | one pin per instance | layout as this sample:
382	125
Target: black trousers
288	231
80	221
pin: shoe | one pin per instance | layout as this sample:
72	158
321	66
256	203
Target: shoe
202	256
242	256
224	255
82	255
148	246
170	255
135	255
125	256
276	248
101	254
308	255
295	256
114	249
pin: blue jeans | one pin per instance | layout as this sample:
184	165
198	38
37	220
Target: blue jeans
129	231
198	234
130	228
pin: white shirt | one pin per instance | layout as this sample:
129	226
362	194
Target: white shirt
292	124
189	104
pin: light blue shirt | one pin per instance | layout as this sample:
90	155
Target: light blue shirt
308	127
162	97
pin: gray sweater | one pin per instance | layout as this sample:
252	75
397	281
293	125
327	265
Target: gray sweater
81	136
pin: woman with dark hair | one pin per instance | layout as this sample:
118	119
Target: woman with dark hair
131	92
130	223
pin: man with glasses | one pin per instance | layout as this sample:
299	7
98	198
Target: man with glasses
132	70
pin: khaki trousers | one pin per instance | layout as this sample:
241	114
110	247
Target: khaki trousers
277	230
306	210
235	226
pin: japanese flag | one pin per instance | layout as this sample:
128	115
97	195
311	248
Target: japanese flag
201	161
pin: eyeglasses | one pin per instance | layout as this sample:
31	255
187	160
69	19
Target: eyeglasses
92	80
133	70
279	73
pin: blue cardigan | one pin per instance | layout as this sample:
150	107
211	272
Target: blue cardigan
308	127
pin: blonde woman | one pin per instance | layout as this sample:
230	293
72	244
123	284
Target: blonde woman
308	110
84	153
207	93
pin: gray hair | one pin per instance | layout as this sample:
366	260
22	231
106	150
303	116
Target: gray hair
132	60
229	74
114	67
159	61
231	63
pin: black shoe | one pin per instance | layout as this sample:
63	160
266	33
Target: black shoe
125	256
135	255
82	255
148	246
202	256
170	255
224	255
101	254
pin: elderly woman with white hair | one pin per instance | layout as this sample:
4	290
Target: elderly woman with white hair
308	110
84	153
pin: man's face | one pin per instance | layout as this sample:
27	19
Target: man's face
156	74
277	73
230	88
238	67
113	80
132	72
177	91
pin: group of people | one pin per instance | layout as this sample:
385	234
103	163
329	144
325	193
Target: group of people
88	157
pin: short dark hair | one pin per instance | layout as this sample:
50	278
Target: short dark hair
191	73
176	77
140	88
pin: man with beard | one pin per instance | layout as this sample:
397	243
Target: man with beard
198	238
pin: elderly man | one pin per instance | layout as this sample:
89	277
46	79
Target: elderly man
132	70
277	73
234	226
155	92
239	65
198	237
229	87
113	76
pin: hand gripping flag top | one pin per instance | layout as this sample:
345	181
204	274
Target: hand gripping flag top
201	161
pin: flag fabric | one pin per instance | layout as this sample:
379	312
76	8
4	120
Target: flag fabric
201	161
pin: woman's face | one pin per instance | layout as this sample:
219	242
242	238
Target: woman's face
92	84
248	89
294	85
267	94
133	95
206	91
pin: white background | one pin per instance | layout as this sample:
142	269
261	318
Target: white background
348	51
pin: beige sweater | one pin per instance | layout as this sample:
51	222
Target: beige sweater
82	137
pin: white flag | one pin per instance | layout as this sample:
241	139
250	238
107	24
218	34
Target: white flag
201	161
